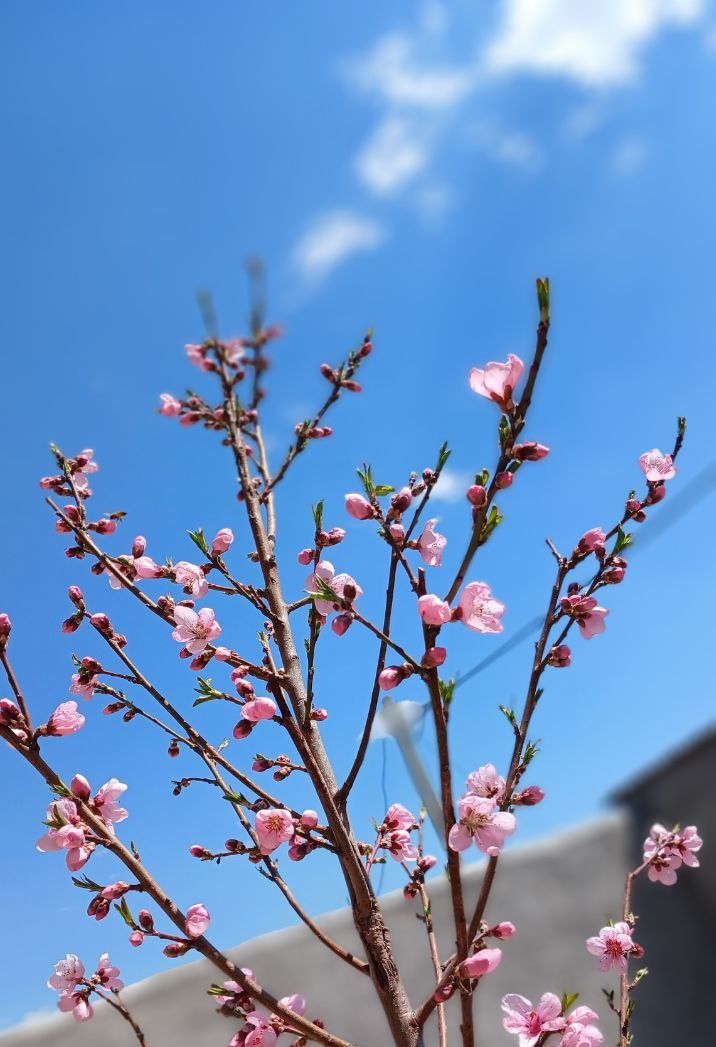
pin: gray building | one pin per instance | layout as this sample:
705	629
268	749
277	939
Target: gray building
557	892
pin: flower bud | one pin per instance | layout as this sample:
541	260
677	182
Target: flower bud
503	930
334	536
174	949
146	920
529	797
319	714
197	851
80	787
75	594
341	623
503	480
359	507
476	495
139	546
401	500
560	657
309	819
173	750
305	557
136	938
434	657
5	628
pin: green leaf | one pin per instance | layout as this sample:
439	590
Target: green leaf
380	490
443	454
218	990
568	1000
317	511
482	477
447	690
86	884
238	798
125	912
199	540
623	540
543	296
366	476
509	715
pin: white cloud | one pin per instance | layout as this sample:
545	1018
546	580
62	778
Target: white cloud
509	147
331	239
394	72
394	155
451	486
596	42
628	157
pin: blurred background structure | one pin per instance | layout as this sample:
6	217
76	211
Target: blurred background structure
410	168
557	891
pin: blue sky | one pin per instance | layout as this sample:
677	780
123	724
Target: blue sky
410	168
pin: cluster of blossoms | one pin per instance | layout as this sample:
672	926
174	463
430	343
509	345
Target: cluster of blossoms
258	1030
665	852
480	817
276	825
534	1024
75	988
66	829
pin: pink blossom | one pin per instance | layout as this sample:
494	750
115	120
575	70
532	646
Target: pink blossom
587	614
170	406
505	929
359	507
196	920
194	630
191	578
104	802
657	466
68	973
274	826
146	567
484	961
529	1022
486	782
592	541
66	832
222	541
108	975
431	545
399	845
613	946
78	1003
481	821
295	1003
260	1032
498	380
258	709
433	610
398	817
196	354
580	1030
480	610
83	685
343	585
667	851
66	719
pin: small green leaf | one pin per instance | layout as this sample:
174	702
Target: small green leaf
86	884
199	540
125	912
380	490
238	798
568	1000
447	690
317	511
623	540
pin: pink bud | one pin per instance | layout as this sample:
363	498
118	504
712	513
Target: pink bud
309	819
359	507
9	712
319	714
136	938
5	626
503	930
139	546
503	480
146	920
391	676
80	787
101	622
197	851
428	861
341	623
335	536
174	949
530	451
242	729
397	533
656	494
530	796
484	961
75	594
197	920
305	557
434	657
560	657
222	654
222	540
476	495
115	890
71	624
401	500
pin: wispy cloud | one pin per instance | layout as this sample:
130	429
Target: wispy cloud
597	44
396	152
451	486
628	157
331	239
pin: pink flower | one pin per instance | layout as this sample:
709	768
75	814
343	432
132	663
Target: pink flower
580	1030
359	507
66	832
258	709
222	541
657	466
191	578
613	946
431	545
399	844
486	782
66	719
480	610
433	610
260	1032
587	614
592	541
498	380
83	686
667	851
484	961
108	975
170	406
105	803
343	585
194	630
505	929
78	1003
530	1022
398	817
295	1003
273	827
68	973
147	568
688	843
479	820
196	920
